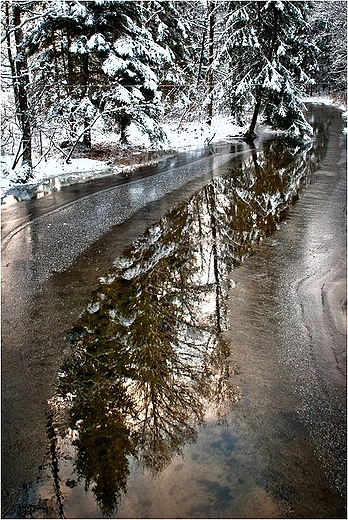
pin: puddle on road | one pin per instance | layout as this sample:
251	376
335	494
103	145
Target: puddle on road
149	417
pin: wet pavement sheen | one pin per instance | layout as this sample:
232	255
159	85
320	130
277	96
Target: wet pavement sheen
197	341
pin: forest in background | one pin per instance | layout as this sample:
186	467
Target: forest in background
71	68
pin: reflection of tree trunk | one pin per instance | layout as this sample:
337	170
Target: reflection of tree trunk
211	205
254	157
200	233
54	463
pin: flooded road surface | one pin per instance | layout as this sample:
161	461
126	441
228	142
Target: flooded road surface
199	345
52	195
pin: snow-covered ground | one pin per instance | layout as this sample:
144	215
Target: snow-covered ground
179	137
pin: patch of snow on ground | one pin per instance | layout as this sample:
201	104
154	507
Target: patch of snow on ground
78	170
197	135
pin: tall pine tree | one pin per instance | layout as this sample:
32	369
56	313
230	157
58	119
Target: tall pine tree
269	53
106	62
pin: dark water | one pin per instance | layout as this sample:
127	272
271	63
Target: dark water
203	378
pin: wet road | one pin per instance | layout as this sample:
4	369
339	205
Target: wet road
36	201
53	231
289	313
48	271
283	450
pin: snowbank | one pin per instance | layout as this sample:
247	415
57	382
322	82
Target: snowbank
179	137
325	100
329	101
78	170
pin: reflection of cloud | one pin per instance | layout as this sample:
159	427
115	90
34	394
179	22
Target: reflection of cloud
149	361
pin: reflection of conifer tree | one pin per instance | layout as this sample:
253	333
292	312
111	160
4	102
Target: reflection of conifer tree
261	190
98	410
139	374
52	436
103	447
166	405
150	353
223	390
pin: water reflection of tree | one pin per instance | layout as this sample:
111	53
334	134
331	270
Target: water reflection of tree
262	189
147	357
149	354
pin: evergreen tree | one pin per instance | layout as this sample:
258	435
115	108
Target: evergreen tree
106	62
169	28
74	63
269	54
179	27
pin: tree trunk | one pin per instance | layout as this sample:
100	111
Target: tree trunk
201	56
70	71
123	133
210	79
20	79
56	65
251	131
87	137
10	55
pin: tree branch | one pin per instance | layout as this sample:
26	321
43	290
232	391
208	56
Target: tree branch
79	137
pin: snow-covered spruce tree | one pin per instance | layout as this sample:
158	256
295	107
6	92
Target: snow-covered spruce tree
269	53
106	62
59	79
171	28
183	26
